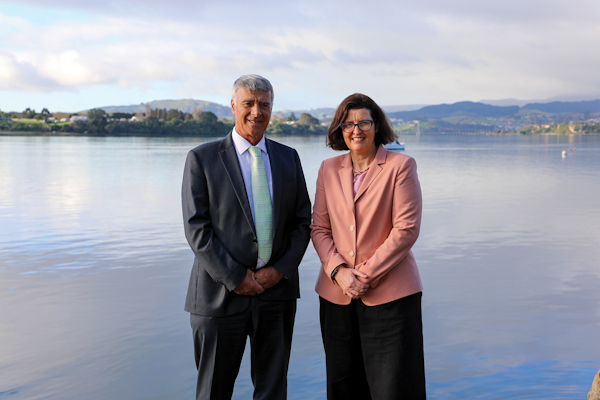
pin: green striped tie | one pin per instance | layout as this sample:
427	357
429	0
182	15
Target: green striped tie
263	210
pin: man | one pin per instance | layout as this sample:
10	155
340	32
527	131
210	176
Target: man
246	214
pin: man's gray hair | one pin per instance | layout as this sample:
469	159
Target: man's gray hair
253	83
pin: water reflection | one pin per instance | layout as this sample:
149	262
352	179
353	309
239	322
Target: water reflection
94	269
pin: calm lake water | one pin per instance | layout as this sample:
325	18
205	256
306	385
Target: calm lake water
94	269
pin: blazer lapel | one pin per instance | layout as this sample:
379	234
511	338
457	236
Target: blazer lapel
373	172
232	167
345	173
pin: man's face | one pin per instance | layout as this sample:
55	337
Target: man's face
252	114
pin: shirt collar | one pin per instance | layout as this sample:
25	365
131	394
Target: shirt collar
242	145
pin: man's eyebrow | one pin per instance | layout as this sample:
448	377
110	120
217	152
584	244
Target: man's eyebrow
259	101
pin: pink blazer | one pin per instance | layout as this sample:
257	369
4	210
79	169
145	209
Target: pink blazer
373	231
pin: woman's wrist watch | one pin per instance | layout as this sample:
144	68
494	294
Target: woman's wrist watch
334	273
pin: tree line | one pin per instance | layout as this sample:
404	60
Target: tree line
561	128
153	122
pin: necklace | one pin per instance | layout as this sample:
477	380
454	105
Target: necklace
355	172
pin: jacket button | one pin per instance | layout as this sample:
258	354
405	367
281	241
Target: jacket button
351	253
351	227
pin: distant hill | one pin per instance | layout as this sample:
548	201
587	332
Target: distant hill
185	105
463	108
559	107
509	102
319	113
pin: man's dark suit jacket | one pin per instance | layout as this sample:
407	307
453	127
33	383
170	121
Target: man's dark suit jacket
220	229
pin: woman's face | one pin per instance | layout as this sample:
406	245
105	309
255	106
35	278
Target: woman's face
358	141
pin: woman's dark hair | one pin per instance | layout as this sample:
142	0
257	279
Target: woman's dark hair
384	133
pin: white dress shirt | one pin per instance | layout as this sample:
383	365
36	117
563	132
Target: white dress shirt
245	159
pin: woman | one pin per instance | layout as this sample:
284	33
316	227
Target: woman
366	218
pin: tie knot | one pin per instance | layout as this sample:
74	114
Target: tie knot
254	151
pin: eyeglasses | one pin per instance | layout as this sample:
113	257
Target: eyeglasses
362	125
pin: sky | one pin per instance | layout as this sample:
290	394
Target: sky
73	55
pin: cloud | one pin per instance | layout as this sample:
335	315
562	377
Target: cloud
374	56
22	76
130	51
403	52
68	69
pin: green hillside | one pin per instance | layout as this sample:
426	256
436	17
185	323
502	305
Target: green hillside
463	108
184	105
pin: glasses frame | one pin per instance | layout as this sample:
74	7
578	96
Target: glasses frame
348	124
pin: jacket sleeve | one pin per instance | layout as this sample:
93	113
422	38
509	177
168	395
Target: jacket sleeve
406	216
210	252
321	234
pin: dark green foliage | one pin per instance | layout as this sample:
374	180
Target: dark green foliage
174	114
28	113
79	126
119	115
180	124
208	125
307	119
167	115
14	126
96	121
281	128
161	122
561	128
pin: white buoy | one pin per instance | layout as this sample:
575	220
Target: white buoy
564	153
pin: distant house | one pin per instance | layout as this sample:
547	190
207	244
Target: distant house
79	118
134	119
64	119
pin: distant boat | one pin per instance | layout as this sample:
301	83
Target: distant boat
395	145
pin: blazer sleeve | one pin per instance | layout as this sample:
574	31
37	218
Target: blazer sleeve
406	215
321	233
210	252
298	228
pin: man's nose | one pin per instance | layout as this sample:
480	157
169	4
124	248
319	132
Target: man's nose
256	110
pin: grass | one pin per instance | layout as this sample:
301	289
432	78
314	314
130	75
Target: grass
29	121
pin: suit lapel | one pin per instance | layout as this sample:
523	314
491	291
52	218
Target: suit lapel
232	167
345	173
373	172
277	163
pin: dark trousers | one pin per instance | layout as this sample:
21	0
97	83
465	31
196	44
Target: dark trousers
374	352
219	344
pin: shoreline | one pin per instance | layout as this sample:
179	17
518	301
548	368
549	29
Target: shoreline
75	134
